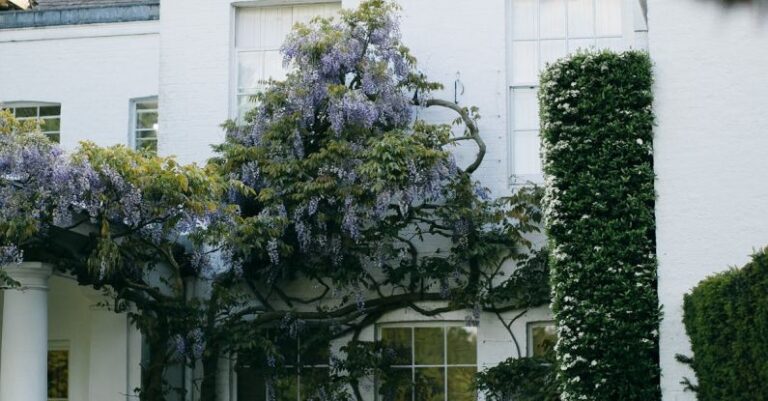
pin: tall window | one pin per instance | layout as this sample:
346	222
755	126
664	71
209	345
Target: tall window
259	33
542	31
58	372
144	125
305	369
48	114
435	363
542	337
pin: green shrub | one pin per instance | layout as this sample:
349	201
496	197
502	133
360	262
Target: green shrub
726	317
599	205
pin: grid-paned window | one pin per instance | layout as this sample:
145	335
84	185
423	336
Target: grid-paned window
542	337
58	372
542	31
144	125
259	34
304	369
434	362
47	114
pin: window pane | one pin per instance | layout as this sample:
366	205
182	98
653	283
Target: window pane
251	385
146	134
244	105
273	66
146	120
50	111
552	19
543	339
526	108
399	339
26	112
461	384
525	62
58	374
524	20
50	125
551	51
276	23
583	44
55	138
581	21
527	160
287	387
462	345
315	351
250	70
248	24
311	380
149	105
429	345
398	385
430	384
608	17
616	44
147	145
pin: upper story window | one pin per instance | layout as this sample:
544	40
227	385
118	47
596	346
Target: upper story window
540	32
48	114
259	34
306	369
436	362
144	126
542	337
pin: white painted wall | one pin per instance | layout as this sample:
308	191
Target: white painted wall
711	95
92	70
98	341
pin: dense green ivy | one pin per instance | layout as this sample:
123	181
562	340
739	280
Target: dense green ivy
597	154
726	317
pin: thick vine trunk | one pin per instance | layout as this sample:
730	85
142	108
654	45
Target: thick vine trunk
153	371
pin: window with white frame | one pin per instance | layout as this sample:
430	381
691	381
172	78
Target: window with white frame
306	368
434	362
542	337
144	127
259	34
47	114
540	32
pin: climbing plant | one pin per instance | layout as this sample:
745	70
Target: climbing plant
345	190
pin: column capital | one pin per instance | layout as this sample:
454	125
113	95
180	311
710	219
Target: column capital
32	275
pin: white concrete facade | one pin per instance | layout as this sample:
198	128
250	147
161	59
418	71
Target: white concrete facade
711	93
711	89
93	71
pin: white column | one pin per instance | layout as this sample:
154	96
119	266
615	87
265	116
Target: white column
24	355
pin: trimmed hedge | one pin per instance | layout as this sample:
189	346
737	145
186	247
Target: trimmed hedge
599	205
726	317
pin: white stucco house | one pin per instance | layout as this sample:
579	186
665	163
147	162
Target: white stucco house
165	74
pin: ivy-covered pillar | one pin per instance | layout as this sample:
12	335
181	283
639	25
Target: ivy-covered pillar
24	354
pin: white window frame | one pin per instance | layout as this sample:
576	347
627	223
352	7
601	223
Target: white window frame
629	30
37	105
234	89
445	324
133	128
529	333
